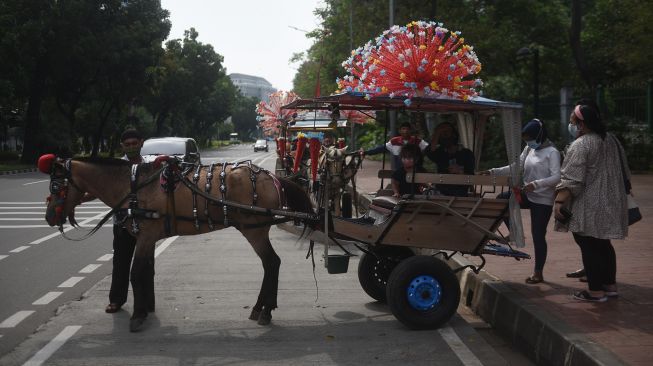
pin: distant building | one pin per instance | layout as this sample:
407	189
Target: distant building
252	86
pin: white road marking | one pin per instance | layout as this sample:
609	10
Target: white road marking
90	268
47	298
22	203
38	181
36	219
13	320
44	353
3	256
458	347
40	226
105	258
47	237
72	281
164	245
19	249
43	213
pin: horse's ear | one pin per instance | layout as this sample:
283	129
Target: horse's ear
45	163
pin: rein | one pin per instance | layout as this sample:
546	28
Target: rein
114	209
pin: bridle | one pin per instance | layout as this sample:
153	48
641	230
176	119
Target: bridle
59	184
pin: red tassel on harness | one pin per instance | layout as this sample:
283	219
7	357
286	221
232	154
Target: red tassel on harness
314	149
45	163
341	143
299	153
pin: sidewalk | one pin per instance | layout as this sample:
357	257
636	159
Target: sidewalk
543	320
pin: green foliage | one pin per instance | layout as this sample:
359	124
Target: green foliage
244	117
9	156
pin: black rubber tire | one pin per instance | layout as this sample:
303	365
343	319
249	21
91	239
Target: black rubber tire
346	205
373	271
400	280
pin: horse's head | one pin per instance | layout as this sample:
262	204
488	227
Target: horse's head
64	194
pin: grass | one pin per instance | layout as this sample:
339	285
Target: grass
9	166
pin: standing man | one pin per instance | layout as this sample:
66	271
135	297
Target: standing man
124	242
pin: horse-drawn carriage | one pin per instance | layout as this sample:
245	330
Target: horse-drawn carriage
421	290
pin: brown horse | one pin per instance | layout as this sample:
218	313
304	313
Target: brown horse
251	198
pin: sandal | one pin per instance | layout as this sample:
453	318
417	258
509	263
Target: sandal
534	279
112	308
586	296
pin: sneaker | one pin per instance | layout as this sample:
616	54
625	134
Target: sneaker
611	294
585	296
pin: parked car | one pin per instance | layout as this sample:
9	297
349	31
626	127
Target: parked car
184	148
261	145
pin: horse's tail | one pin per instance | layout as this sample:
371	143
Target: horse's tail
297	199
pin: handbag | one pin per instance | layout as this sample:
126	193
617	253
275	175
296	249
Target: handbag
634	214
633	210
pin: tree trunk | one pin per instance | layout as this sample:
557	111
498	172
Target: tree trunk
31	138
574	43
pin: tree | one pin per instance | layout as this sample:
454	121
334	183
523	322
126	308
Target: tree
244	116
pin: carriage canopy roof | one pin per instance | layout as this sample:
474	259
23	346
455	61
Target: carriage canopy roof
357	101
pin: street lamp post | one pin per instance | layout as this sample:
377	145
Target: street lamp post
527	51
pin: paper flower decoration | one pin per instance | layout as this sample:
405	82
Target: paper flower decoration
270	113
356	116
420	59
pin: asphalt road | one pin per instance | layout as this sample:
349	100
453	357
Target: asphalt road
205	286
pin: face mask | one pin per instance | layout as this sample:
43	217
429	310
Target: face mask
132	152
446	141
533	144
573	130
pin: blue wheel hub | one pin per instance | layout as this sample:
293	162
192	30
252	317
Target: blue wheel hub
424	293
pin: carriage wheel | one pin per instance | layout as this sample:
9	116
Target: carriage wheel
346	205
374	270
423	292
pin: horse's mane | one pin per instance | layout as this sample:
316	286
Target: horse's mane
103	161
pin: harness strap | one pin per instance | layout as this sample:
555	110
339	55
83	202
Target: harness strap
133	198
196	178
207	188
223	191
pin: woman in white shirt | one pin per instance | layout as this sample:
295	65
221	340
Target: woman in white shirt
541	173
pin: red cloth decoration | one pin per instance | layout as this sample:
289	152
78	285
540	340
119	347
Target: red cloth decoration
314	149
299	153
45	163
341	143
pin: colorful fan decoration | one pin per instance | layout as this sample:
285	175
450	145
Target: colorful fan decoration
420	59
357	117
270	113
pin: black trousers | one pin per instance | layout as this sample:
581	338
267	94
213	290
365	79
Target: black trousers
599	260
123	251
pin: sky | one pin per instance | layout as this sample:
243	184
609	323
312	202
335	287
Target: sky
255	37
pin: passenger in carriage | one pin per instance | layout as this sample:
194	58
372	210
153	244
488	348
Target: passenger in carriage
540	161
409	155
450	158
327	140
395	144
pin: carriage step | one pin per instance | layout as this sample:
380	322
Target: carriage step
503	251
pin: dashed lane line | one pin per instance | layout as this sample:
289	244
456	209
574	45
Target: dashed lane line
13	320
164	245
44	353
105	258
459	348
3	256
19	249
71	282
38	181
90	268
47	298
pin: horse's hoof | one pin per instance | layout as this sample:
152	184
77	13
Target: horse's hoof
265	317
255	314
136	324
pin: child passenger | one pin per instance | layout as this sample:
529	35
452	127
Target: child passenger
409	155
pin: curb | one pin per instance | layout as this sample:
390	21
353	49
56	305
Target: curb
540	335
18	171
